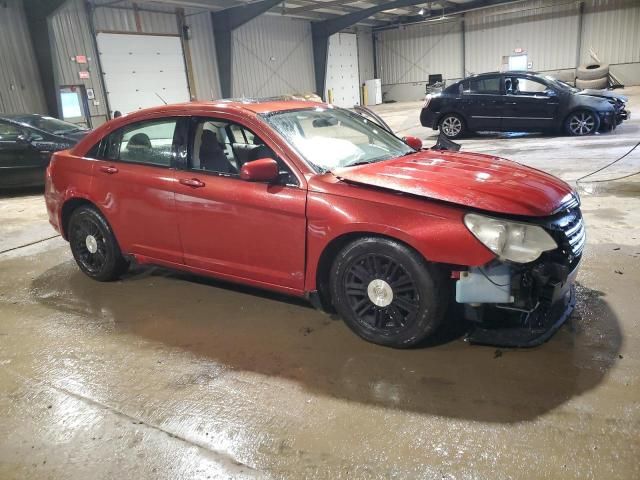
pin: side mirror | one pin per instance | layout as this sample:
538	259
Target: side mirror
413	142
261	170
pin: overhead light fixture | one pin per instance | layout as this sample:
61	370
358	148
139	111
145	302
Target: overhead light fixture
421	11
438	19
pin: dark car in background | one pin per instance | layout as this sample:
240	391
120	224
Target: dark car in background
26	144
521	101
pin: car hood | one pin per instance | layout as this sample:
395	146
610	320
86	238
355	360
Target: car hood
603	94
469	179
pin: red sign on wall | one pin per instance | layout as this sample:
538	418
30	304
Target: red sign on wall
83	74
81	59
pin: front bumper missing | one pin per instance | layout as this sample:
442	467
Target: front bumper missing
535	328
511	325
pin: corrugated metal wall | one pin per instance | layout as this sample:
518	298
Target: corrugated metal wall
20	85
411	53
612	29
121	17
203	57
272	55
547	31
365	54
70	36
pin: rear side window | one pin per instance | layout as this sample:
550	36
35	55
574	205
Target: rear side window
9	132
489	85
145	142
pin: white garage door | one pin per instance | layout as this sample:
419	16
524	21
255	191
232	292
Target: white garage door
342	70
141	71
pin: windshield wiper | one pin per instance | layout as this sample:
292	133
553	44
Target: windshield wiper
361	162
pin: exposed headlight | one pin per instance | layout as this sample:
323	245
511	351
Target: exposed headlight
517	242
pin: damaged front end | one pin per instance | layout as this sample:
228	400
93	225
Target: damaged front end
515	304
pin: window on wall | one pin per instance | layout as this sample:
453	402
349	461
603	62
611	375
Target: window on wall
148	142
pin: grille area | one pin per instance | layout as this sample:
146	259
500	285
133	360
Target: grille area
567	228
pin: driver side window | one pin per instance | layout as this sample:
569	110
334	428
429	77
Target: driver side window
223	147
524	86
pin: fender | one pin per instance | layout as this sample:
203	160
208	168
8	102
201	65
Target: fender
438	234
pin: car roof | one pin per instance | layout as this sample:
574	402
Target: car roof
527	73
251	105
13	116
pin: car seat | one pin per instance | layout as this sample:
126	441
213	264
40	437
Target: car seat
507	85
212	157
139	147
261	151
515	87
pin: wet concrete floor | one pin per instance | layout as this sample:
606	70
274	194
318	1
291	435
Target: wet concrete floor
167	375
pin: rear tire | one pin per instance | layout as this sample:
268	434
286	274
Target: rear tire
582	123
452	126
94	246
386	293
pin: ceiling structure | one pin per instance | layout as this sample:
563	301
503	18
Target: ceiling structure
319	10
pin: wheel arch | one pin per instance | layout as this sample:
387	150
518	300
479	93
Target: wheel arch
69	206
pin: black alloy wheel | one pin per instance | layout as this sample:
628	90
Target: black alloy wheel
381	293
387	293
94	246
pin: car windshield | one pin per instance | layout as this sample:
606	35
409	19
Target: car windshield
329	138
50	124
560	84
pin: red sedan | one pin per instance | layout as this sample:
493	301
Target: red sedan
317	201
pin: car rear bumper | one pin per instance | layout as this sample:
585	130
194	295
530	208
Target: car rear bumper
429	119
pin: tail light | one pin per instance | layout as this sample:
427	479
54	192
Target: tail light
427	100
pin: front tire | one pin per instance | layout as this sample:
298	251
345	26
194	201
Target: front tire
94	246
581	123
386	293
452	126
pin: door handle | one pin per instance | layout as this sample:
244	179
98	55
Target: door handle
192	182
510	103
109	170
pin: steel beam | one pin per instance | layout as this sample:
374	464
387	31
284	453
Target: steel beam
321	31
448	10
224	23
